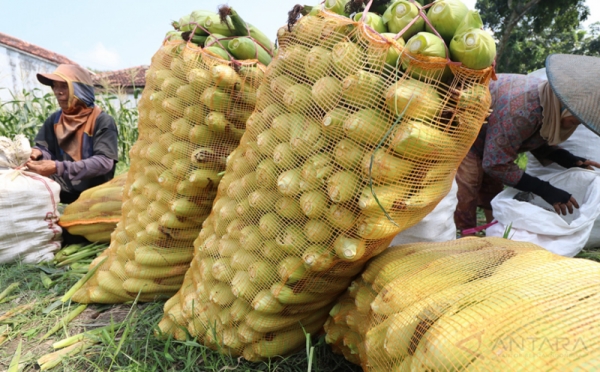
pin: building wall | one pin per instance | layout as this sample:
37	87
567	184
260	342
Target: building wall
18	71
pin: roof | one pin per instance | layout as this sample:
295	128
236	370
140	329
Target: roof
126	78
34	50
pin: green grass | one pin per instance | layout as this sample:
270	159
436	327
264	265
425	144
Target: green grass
131	346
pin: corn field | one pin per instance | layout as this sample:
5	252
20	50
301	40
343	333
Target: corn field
26	113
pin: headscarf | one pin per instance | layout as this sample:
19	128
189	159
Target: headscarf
552	113
80	116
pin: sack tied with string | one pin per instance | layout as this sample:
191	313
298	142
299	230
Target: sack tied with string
473	304
192	115
342	152
94	215
28	225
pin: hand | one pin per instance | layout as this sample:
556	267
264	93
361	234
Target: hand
35	154
42	167
562	208
587	164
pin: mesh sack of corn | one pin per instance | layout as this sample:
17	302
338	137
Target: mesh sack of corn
342	152
470	305
94	215
192	115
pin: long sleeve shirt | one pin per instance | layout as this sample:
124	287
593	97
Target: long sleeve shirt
512	128
99	153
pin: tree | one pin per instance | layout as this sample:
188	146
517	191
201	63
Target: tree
521	25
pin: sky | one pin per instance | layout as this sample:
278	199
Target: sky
116	34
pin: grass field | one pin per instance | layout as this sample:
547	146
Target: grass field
130	346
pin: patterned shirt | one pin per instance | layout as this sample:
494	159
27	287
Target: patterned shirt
513	127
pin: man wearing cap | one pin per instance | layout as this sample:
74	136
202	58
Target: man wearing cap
528	114
77	145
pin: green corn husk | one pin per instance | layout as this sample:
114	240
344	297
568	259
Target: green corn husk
241	286
181	127
216	99
317	231
340	217
200	79
420	140
445	16
263	199
280	84
291	269
348	154
252	75
216	40
213	24
349	249
225	76
261	272
287	296
251	238
399	15
318	258
366	126
195	113
313	204
242	260
288	208
218	52
265	302
266	142
298	98
318	63
426	44
390	198
336	6
241	28
477	94
284	157
216	122
356	87
315	171
192	20
266	172
244	48
292	240
341	186
385	167
333	121
281	125
221	294
372	20
288	183
347	58
269	225
425	102
307	139
394	50
473	47
326	91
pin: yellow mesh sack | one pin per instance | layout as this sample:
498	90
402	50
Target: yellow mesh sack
95	214
470	305
192	115
295	215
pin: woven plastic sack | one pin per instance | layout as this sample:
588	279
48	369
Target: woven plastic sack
94	215
470	305
295	217
437	226
535	221
28	201
192	115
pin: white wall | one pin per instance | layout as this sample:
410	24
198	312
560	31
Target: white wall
18	71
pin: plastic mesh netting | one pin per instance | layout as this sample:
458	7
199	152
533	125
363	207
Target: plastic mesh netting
192	115
342	152
94	215
470	305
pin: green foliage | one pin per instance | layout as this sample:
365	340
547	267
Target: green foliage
528	31
26	114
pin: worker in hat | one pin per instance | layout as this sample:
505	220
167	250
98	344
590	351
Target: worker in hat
77	145
527	115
